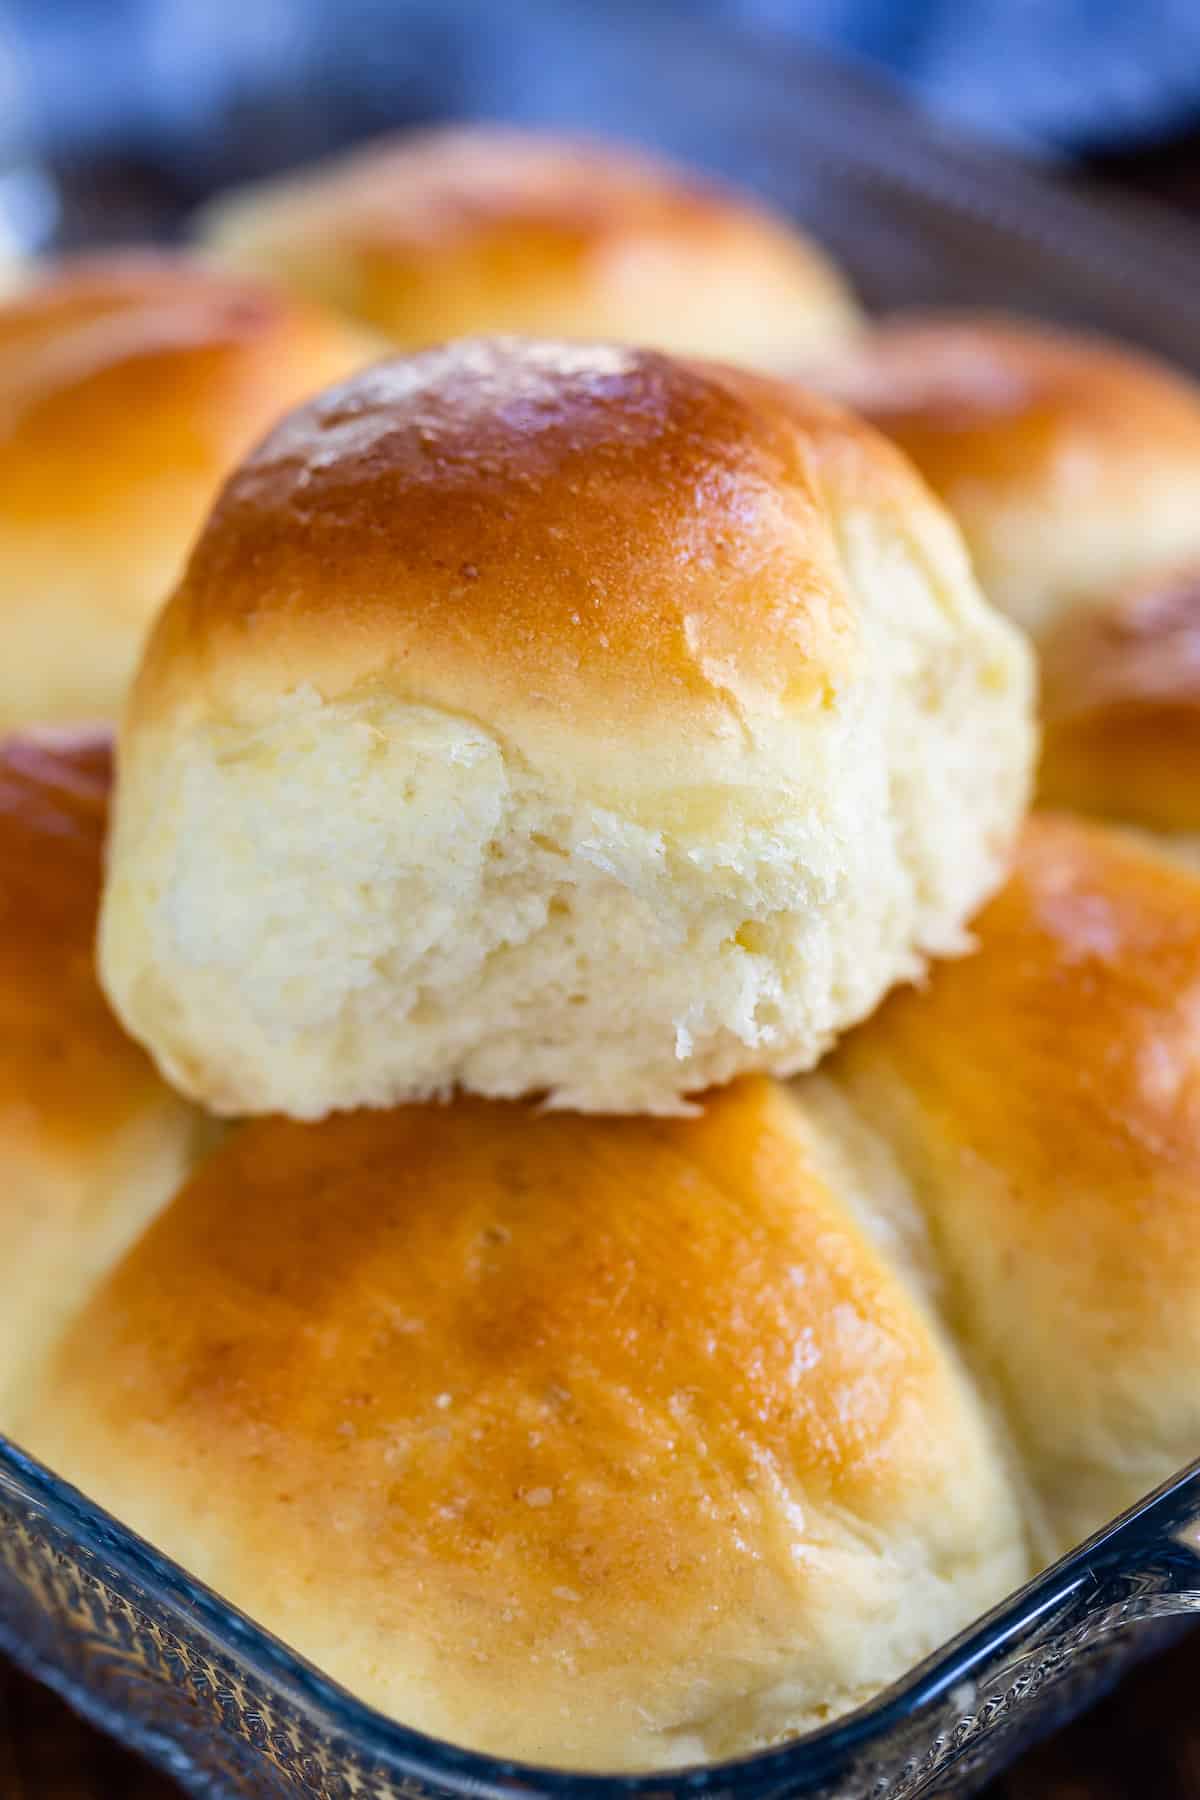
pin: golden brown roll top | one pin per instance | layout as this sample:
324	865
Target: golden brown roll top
91	1141
453	232
606	1443
554	718
1121	706
602	541
1043	1098
1071	463
1072	466
129	385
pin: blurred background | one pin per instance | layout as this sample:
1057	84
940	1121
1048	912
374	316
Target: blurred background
115	114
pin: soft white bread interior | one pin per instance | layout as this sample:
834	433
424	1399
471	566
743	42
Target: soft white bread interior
129	385
453	232
606	1443
554	718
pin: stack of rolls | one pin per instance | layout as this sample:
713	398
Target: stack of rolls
132	381
1072	465
592	1187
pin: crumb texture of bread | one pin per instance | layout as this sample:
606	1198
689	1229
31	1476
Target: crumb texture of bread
559	719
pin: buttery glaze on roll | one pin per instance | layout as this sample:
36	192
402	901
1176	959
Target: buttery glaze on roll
459	231
554	719
1071	463
606	1443
1121	706
91	1141
129	385
1043	1097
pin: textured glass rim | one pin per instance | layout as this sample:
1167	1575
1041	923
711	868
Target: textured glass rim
1147	1533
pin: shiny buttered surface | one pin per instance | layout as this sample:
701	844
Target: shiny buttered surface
129	386
448	233
1072	465
607	1443
1042	1098
560	719
1070	462
92	1142
1120	690
635	1442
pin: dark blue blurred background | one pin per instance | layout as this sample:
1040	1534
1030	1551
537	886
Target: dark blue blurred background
1050	73
206	89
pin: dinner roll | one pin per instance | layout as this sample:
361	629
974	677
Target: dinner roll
538	718
451	232
1070	463
91	1142
1043	1097
608	1443
1121	704
129	384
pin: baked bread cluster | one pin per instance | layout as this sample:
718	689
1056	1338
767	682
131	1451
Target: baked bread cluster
130	384
565	1144
607	1442
1072	466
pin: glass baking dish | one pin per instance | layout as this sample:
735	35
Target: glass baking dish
163	1664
